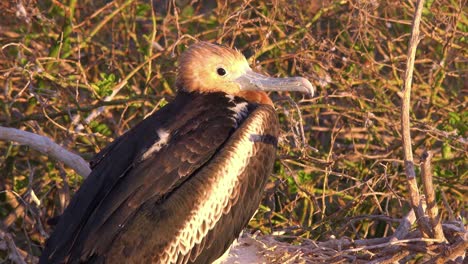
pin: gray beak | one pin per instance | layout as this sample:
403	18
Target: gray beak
252	81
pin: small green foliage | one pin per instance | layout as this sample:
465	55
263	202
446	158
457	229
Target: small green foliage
187	12
52	172
143	9
101	128
458	121
447	151
163	102
444	173
74	180
104	86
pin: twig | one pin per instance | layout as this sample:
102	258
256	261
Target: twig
405	225
96	112
104	21
46	146
390	243
458	249
14	255
432	209
451	215
346	243
405	124
71	110
392	258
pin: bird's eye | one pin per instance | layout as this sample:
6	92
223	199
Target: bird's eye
221	71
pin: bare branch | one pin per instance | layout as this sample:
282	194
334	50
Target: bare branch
453	252
405	226
14	255
46	146
405	123
432	209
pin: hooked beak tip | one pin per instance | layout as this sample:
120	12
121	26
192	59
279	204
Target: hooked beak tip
256	82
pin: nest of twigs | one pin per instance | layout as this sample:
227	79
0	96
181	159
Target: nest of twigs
410	246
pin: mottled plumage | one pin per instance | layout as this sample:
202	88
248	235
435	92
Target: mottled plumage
180	186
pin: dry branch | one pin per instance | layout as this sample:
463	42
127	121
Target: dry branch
454	252
432	209
405	124
14	253
46	146
96	112
405	225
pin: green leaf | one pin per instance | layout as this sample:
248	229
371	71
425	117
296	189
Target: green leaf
101	128
143	9
446	151
105	85
187	11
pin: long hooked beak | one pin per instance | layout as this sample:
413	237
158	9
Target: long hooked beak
252	81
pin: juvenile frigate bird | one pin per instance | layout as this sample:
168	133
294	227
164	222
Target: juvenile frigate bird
179	186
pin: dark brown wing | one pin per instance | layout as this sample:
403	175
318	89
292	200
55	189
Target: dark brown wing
138	170
198	221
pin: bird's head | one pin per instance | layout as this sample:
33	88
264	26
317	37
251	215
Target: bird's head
207	67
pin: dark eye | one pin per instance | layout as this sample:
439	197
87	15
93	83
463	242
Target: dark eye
221	71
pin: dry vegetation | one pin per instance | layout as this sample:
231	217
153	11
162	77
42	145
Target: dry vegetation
84	72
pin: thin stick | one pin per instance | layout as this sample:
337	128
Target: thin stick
115	90
456	250
390	243
405	124
405	226
432	209
14	254
46	146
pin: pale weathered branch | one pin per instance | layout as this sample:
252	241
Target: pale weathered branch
432	209
405	226
405	124
48	147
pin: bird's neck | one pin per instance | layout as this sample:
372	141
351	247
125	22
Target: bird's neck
258	97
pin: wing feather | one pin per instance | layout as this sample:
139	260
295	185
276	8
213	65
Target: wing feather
123	179
206	210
